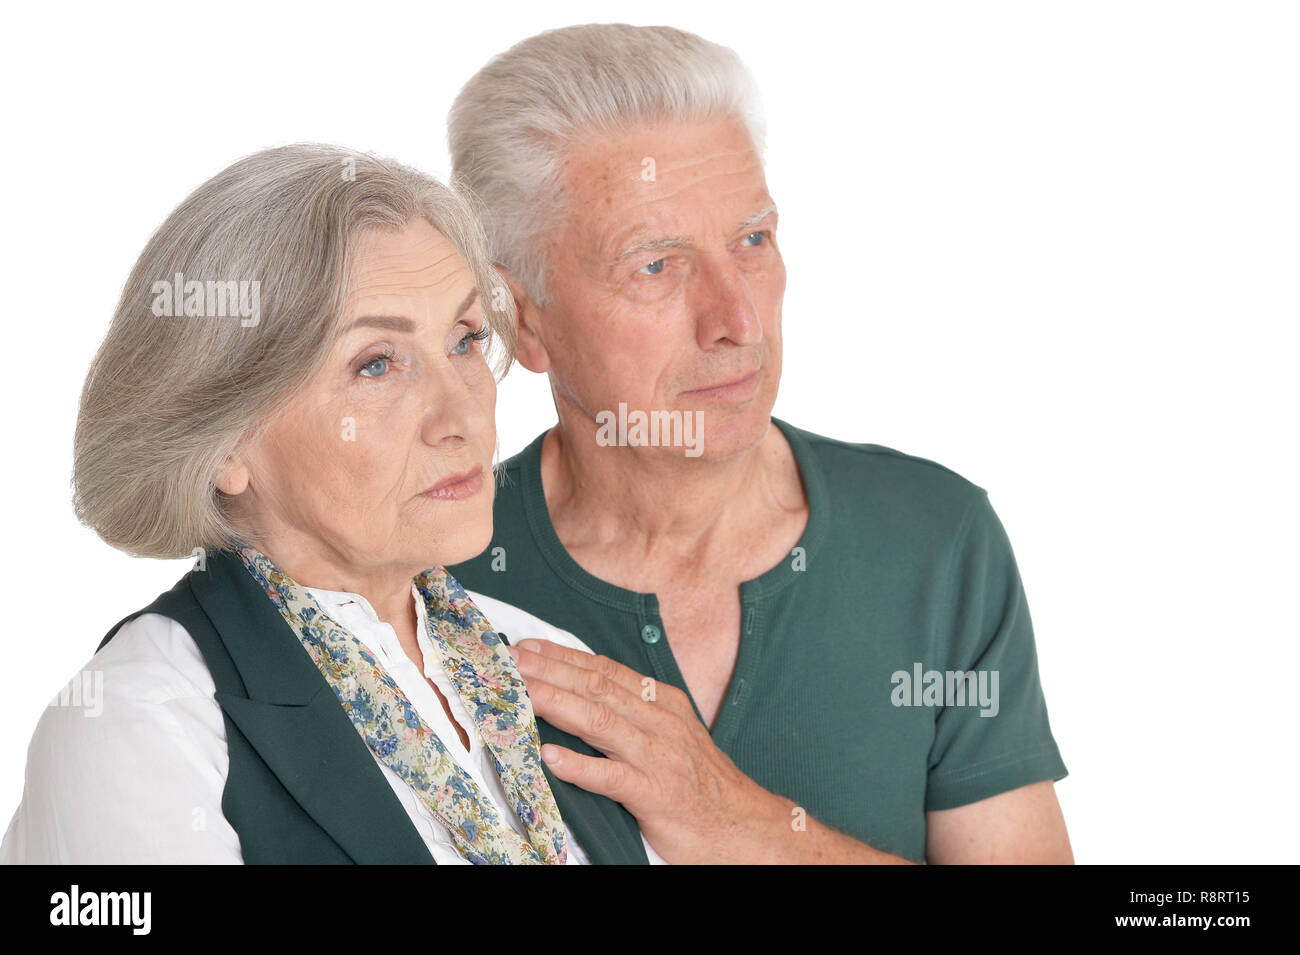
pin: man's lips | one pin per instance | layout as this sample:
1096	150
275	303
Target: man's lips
732	388
456	487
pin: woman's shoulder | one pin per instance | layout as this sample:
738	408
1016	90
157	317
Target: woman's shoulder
152	659
149	681
128	761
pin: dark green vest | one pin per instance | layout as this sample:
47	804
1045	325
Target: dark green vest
303	786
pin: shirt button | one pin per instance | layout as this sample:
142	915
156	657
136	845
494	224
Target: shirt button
650	633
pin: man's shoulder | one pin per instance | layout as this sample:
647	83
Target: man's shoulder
881	460
875	476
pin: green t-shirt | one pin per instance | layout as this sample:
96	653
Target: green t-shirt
848	696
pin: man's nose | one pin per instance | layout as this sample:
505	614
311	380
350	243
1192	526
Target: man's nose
723	305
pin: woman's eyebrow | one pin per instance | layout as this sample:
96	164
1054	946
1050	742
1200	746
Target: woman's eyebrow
392	322
464	306
397	323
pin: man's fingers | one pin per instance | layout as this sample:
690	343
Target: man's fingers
592	683
624	676
598	724
596	774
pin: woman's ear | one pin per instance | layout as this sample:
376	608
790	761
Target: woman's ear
234	477
529	349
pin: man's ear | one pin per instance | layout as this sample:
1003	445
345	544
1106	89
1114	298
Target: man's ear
529	350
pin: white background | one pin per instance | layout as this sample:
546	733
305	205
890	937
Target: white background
1052	246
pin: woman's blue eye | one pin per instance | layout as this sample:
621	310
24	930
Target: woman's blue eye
375	367
482	335
654	268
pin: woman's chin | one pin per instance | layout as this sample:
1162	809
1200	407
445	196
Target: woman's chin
464	544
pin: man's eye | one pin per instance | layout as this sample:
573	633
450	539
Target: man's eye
375	367
654	268
760	236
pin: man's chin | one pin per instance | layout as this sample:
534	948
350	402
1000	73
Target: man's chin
723	433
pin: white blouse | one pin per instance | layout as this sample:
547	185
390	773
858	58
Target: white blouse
128	764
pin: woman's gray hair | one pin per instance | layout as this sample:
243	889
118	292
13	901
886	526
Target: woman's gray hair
232	307
511	124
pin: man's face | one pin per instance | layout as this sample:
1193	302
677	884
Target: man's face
666	282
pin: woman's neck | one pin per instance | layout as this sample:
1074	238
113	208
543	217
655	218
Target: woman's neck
386	587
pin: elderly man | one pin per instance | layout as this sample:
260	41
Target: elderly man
806	650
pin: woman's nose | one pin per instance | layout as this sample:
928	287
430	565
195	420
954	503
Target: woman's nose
458	407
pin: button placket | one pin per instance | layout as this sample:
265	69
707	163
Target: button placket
654	640
650	632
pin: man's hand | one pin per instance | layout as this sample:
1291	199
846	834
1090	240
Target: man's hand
693	805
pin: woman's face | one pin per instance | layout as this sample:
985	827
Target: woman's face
383	462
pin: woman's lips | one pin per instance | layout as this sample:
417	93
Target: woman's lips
457	487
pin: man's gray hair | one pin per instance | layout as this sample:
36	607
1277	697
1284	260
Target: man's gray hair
509	128
178	385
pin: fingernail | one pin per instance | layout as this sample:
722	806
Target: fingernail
550	755
529	644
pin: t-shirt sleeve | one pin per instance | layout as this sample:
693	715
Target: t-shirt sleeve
1003	740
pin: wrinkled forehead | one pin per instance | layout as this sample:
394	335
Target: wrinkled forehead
651	161
667	175
417	271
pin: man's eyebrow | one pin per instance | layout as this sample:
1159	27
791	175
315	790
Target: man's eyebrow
680	242
757	217
397	323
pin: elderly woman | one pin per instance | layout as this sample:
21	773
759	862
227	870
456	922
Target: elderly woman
295	390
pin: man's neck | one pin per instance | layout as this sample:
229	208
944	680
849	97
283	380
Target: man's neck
661	503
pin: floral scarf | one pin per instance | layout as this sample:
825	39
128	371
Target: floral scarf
489	685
